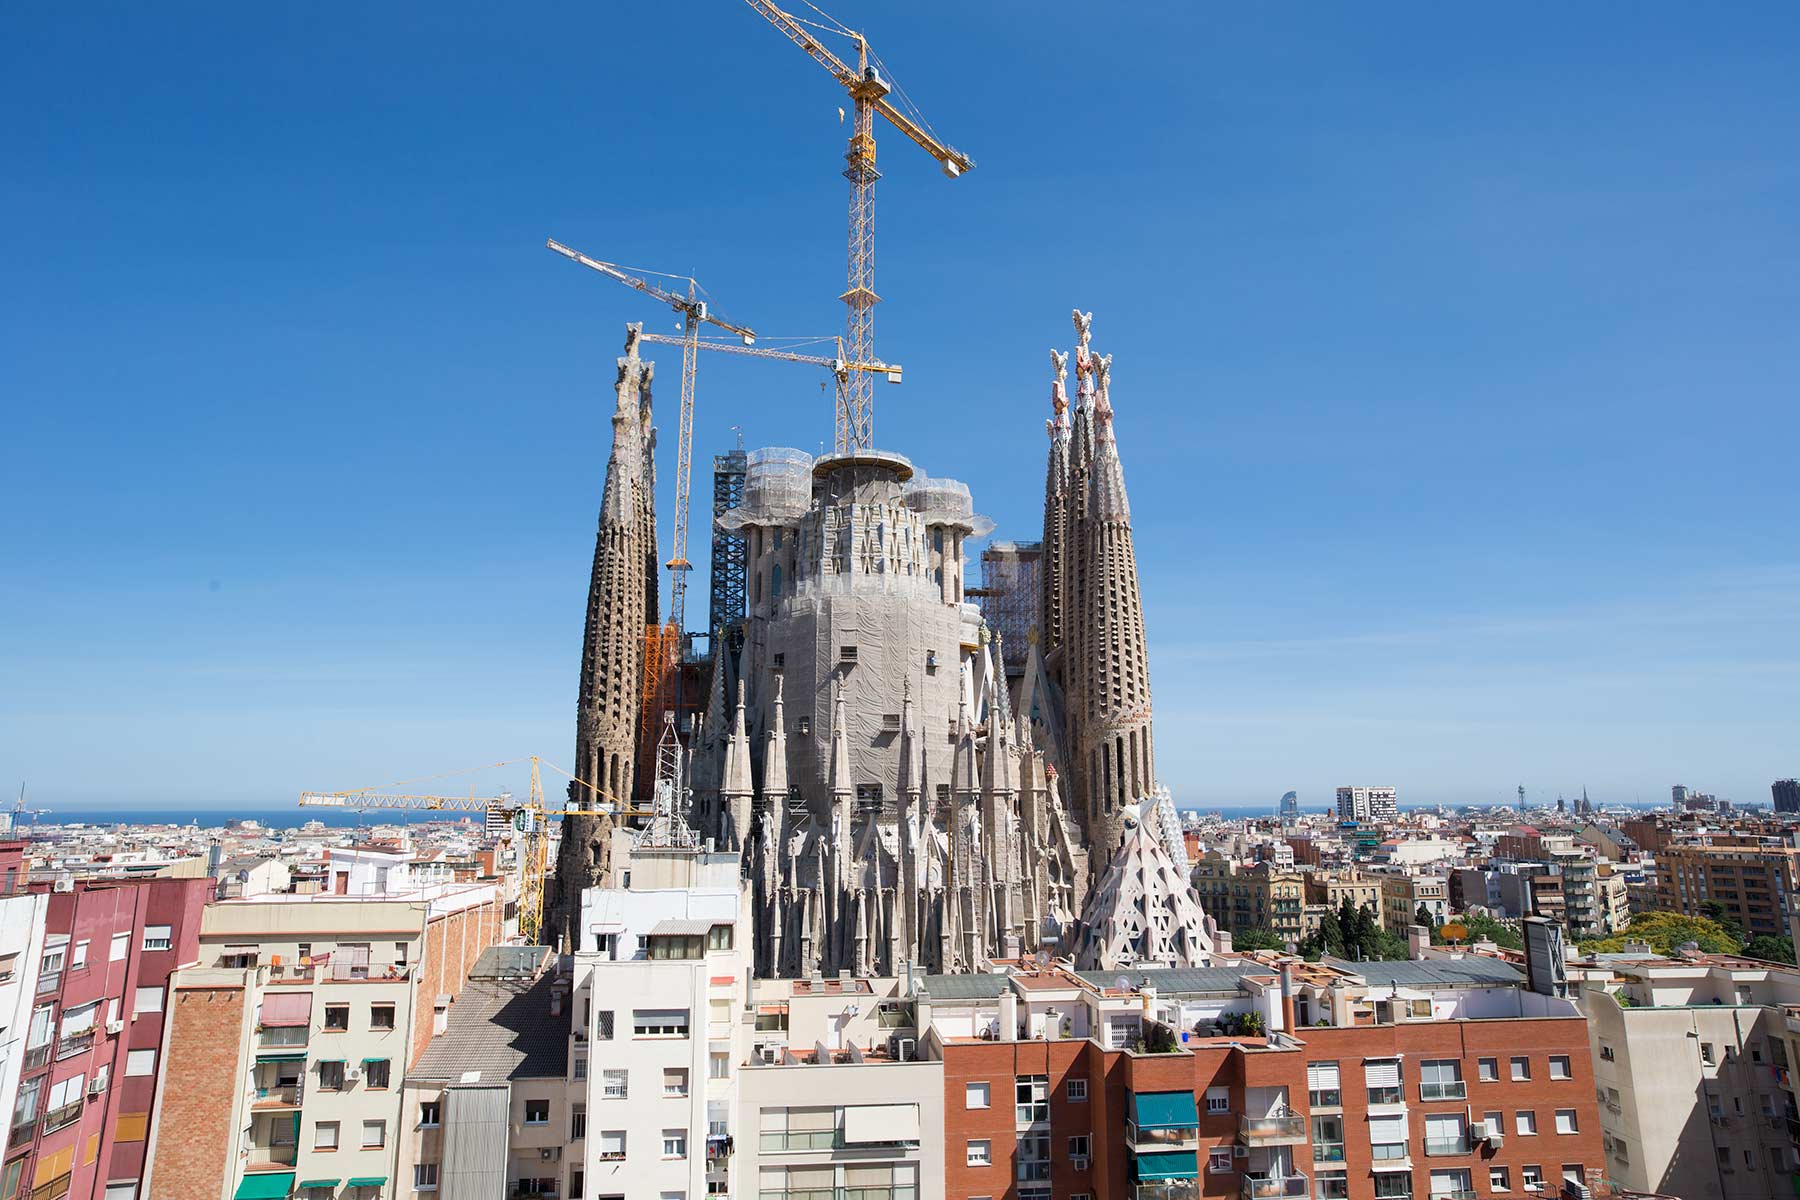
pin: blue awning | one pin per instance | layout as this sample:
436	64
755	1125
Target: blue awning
1164	1110
1168	1164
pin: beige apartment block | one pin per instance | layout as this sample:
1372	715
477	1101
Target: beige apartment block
1693	1062
297	1026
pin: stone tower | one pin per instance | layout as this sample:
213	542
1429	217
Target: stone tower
621	592
1092	624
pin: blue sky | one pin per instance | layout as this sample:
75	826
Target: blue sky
1456	359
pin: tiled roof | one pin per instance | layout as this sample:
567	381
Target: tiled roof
504	1030
1177	980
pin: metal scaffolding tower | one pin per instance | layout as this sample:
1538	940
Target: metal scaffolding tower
730	557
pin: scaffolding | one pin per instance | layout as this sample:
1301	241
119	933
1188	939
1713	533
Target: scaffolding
1008	595
662	646
730	553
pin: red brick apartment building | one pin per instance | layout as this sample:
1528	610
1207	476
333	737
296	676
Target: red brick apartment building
84	1114
1440	1078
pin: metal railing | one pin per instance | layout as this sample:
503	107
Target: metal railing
284	1094
1161	1137
74	1043
1452	1089
37	1056
1275	1127
21	1133
1274	1187
841	1193
1435	1147
718	1145
1458	1194
68	1114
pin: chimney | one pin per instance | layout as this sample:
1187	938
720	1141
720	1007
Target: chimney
1287	998
1418	941
1009	1014
921	1012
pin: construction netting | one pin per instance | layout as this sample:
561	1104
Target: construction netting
777	489
943	501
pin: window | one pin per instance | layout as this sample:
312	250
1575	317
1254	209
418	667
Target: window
125	1189
147	1000
1706	1053
1572	1172
1565	1120
1559	1066
1531	1178
139	1062
381	1016
9	1186
1451	1183
425	1177
975	1095
719	937
1494	1123
1521	1068
1441	1079
718	1065
537	1111
1393	1185
577	1178
158	937
1031	1099
1332	1187
1218	1160
612	1145
1382	1077
1499	1179
1075	1091
1525	1122
337	1018
374	1134
1328	1138
674	1143
577	1122
1323	1085
1488	1070
979	1154
1078	1146
613	1085
376	1072
1218	1100
1387	1136
431	1114
659	1023
331	1074
578	1071
1444	1134
325	1135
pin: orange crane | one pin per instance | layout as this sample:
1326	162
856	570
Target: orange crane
695	312
527	819
868	95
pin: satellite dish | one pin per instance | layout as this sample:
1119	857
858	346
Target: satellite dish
1042	958
1122	983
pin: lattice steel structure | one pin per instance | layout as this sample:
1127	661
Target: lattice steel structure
1010	595
726	608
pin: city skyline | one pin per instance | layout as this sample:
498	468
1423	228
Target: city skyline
1451	377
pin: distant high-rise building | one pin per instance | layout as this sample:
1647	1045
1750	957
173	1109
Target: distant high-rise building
1678	797
1290	808
1787	795
1367	804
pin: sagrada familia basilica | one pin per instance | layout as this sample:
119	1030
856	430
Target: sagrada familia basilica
898	797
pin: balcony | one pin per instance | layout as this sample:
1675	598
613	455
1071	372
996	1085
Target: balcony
1283	1129
1167	1189
1457	1194
802	1139
37	1056
21	1133
1274	1187
718	1145
1441	1147
279	1096
1453	1089
74	1043
56	1118
1155	1139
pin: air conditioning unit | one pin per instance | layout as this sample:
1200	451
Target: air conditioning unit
1079	1162
551	1154
906	1049
115	1028
352	1074
1240	1152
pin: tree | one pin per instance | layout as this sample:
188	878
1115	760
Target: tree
1484	928
1721	916
1329	939
1424	917
1666	932
1257	939
1770	949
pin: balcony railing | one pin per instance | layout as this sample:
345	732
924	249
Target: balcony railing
56	1118
1157	1138
1284	1129
49	982
1437	1147
37	1056
1453	1089
718	1145
1274	1187
1458	1194
74	1043
280	1096
1387	1151
1168	1189
841	1193
813	1139
21	1133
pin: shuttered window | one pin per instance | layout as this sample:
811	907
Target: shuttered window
1387	1130
1382	1072
1321	1077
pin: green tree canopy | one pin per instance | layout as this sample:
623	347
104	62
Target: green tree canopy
1484	928
1770	949
1666	932
1257	939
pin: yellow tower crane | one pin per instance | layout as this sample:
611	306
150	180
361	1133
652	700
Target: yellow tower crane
869	93
526	819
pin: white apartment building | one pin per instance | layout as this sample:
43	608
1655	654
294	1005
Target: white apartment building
21	950
658	1006
1367	804
834	1099
1693	1062
288	1042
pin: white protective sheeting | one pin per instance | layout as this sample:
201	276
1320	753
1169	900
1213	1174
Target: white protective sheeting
866	1123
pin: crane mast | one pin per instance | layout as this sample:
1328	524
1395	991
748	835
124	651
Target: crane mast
868	96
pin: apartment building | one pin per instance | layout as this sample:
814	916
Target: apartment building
1440	1078
497	1104
1373	804
84	1107
1693	1062
289	1038
659	1001
1326	892
1264	896
1755	879
1402	896
833	1099
22	931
